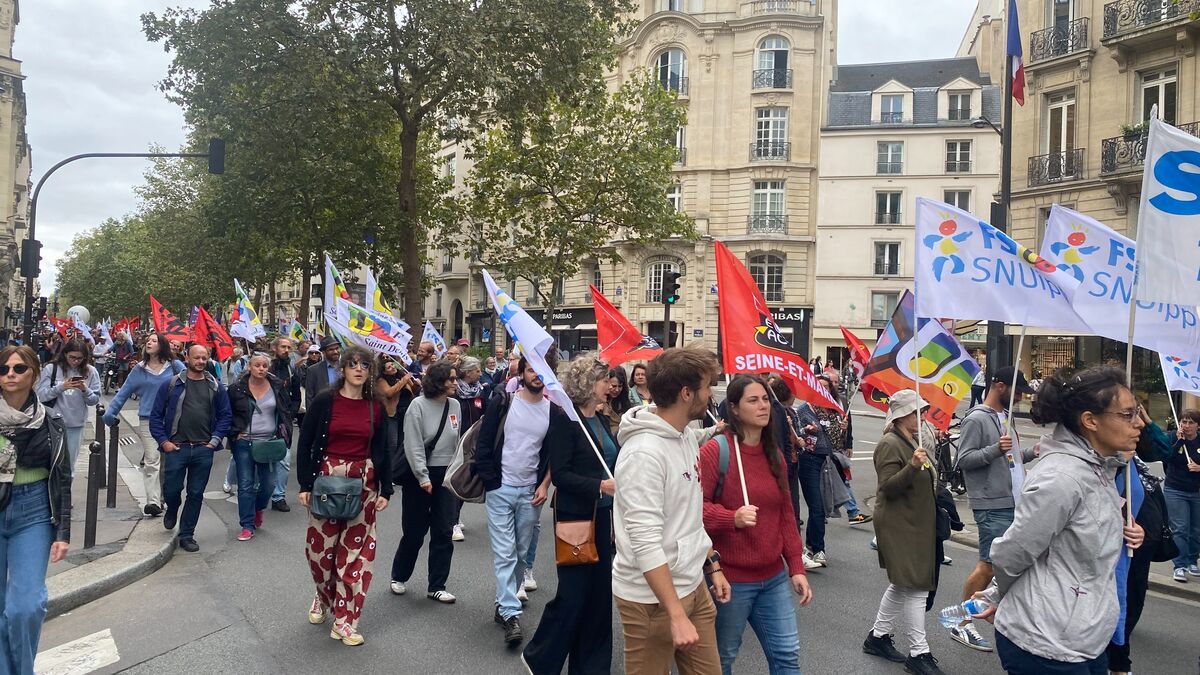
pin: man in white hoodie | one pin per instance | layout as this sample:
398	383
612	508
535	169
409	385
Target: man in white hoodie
663	553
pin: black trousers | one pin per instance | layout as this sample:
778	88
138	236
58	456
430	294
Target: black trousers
977	395
426	513
1135	600
576	626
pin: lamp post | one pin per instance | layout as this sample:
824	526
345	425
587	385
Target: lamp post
999	352
31	247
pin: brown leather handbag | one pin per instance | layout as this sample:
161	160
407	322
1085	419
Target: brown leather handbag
574	540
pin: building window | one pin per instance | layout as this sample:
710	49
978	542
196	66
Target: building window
448	166
958	156
767	270
959	198
675	197
887	208
437	302
559	289
891	108
766	207
887	258
883	304
598	278
672	71
770	133
447	260
655	271
1061	161
1159	89
680	146
960	106
889	157
671	5
773	71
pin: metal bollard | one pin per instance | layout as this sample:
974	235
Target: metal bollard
93	493
100	430
114	439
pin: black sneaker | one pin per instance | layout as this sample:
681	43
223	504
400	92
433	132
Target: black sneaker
497	618
281	506
170	517
189	545
152	510
922	664
512	631
882	647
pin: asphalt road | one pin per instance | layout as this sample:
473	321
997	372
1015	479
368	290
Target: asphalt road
240	607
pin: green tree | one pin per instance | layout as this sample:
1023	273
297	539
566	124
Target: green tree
587	172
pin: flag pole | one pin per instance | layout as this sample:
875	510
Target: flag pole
1129	378
1012	388
1174	413
737	451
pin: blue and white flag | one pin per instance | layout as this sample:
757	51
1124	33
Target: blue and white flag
533	342
82	329
967	269
1099	268
1180	373
431	335
104	334
1169	219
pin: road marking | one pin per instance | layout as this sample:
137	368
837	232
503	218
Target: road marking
85	655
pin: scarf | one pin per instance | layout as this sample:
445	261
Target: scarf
1123	561
469	391
15	426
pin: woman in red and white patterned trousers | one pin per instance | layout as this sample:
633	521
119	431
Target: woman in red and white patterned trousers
344	435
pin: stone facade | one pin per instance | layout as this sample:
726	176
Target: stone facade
16	162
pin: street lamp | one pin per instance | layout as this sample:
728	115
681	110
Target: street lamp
983	122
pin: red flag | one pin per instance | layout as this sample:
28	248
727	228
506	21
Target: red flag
133	323
751	341
166	323
859	357
63	326
208	332
619	341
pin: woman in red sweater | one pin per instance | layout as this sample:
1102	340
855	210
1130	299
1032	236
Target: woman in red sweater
761	551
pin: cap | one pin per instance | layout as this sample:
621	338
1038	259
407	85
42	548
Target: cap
1006	374
313	349
463	342
329	341
902	404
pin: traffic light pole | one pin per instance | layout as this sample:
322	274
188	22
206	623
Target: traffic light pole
31	269
666	343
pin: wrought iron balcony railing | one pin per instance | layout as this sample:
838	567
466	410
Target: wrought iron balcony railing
767	223
958	166
887	268
1129	152
889	167
774	7
1058	40
1126	16
959	114
887	217
770	150
891	118
772	78
1056	167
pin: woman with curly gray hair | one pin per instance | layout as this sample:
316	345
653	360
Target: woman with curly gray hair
577	623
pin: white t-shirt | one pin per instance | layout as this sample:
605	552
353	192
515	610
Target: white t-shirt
524	430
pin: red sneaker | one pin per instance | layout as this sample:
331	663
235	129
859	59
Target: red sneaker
246	535
258	518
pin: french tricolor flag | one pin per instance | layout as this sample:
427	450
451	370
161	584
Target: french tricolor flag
1015	60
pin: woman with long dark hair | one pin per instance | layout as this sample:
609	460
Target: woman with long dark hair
1054	598
35	506
618	402
576	626
72	386
639	390
260	404
156	367
761	551
344	435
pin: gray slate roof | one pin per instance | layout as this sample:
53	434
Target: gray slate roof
850	93
914	74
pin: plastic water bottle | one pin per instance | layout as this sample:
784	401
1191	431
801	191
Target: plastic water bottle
956	614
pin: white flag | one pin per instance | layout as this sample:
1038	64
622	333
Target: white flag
83	330
967	269
431	335
533	341
1169	219
1181	374
1098	264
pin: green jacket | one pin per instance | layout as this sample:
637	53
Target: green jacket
905	515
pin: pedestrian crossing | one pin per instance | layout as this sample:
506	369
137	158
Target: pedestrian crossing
128	440
85	655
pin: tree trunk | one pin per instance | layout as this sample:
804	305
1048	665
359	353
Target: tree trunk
414	293
274	303
258	289
306	273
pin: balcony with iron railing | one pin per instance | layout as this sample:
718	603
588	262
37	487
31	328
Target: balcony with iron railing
958	166
889	167
758	7
767	223
891	118
887	268
959	115
771	78
1058	41
1128	152
770	150
681	156
1126	19
1056	167
887	217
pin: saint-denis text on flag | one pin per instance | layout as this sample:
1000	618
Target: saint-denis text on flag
533	341
1169	220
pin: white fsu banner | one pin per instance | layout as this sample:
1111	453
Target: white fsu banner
1169	219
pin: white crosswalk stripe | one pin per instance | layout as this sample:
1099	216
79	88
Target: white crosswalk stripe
85	655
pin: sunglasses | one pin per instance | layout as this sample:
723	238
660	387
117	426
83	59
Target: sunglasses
19	369
359	365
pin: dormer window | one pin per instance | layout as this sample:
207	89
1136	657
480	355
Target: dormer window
891	109
960	106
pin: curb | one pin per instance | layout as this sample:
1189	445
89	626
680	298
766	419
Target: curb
147	549
1157	582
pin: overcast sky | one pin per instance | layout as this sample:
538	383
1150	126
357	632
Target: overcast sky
91	86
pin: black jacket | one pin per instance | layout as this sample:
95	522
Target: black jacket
241	404
489	446
314	436
51	453
574	468
283	370
316	380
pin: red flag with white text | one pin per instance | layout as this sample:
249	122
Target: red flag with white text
619	341
751	341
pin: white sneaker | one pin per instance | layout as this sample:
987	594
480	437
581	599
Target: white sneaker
810	564
522	595
444	597
530	582
227	488
820	558
457	535
398	588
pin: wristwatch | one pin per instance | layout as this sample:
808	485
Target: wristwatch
713	560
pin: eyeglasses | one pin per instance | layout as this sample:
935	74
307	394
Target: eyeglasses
19	369
359	365
1130	416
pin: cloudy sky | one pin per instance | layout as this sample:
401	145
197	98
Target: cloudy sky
91	79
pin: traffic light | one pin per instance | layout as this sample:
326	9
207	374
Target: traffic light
216	155
41	308
671	288
31	258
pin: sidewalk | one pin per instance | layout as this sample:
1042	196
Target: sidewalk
128	546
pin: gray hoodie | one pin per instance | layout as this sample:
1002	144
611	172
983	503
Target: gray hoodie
1056	566
985	470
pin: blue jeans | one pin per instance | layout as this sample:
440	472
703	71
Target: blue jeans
809	472
73	435
852	505
1183	510
25	537
280	471
191	462
255	482
510	525
531	554
992	523
771	611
